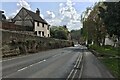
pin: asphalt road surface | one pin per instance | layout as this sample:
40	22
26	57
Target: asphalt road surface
93	68
70	62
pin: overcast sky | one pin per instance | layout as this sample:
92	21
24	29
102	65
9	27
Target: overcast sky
55	13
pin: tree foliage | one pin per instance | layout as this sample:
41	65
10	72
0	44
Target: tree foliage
75	34
103	19
60	32
110	14
93	27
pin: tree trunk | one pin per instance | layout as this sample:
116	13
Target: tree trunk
118	41
103	41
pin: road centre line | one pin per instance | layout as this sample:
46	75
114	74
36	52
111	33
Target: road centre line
73	68
70	74
32	65
79	59
22	68
35	63
76	62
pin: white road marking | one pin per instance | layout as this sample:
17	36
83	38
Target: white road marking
22	57
81	70
17	57
76	62
73	69
74	74
32	65
70	74
77	66
79	59
22	68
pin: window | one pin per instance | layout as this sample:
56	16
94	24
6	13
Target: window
48	35
35	33
42	25
43	33
37	23
39	33
48	27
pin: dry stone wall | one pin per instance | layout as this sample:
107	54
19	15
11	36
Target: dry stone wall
14	43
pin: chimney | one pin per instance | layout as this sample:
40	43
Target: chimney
38	11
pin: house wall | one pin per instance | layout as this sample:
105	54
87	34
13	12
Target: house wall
47	31
109	41
39	29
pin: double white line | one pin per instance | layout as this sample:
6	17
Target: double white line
74	71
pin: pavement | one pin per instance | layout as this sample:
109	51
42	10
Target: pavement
93	68
70	62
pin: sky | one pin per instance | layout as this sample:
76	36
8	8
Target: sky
55	13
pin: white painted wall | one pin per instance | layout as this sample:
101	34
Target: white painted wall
108	41
40	28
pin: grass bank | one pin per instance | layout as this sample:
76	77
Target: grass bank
110	56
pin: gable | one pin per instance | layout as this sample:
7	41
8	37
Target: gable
22	15
27	15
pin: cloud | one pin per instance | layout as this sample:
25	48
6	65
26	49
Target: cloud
67	16
24	3
54	22
71	17
74	25
61	4
20	4
50	15
41	15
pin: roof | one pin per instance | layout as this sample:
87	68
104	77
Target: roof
35	16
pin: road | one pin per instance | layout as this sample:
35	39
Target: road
70	62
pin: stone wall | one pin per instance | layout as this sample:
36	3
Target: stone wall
14	43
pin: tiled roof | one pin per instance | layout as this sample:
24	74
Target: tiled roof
35	16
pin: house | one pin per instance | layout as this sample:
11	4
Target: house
31	21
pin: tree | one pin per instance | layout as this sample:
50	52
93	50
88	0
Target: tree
84	20
75	34
110	14
93	27
60	32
